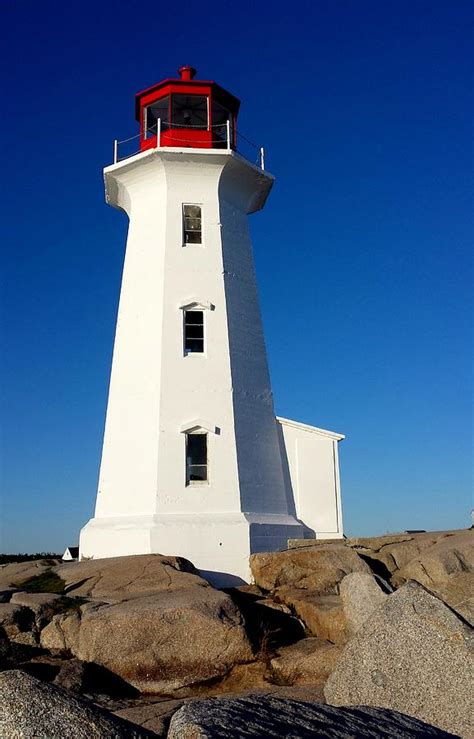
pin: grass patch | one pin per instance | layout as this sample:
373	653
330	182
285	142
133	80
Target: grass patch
66	605
47	582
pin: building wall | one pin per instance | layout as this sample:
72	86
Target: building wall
311	469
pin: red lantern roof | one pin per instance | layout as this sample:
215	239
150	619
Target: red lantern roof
186	112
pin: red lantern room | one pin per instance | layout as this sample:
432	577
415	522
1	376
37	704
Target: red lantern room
187	112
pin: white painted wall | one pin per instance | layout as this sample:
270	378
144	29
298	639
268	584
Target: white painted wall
311	467
143	504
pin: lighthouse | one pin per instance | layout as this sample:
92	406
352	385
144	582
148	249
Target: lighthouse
194	461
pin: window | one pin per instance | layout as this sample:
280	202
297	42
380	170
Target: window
189	111
192	224
158	109
193	331
196	458
220	116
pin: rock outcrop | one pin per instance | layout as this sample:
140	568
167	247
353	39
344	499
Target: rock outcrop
412	654
14	574
158	643
30	708
322	615
123	578
446	569
307	580
319	569
266	716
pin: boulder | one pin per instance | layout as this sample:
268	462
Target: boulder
319	569
412	654
35	601
360	595
308	662
458	593
159	643
389	553
122	578
322	615
265	716
446	568
394	552
30	708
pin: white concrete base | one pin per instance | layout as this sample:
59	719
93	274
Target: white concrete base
228	539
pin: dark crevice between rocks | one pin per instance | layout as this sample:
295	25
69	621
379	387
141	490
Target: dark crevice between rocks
267	628
12	653
460	559
86	678
70	588
377	567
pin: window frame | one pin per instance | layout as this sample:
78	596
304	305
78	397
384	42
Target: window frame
147	133
184	231
187	466
180	94
189	352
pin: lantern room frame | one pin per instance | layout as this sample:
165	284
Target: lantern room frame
169	132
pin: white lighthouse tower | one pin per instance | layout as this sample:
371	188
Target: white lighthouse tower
194	462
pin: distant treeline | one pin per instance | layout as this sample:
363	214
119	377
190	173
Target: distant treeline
7	558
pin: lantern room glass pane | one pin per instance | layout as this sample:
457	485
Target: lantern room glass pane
189	111
220	116
158	109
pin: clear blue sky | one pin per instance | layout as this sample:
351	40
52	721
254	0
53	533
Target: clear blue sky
362	252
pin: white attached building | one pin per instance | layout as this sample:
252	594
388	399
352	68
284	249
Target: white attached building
194	462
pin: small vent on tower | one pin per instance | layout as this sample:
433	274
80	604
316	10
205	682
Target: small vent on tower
187	73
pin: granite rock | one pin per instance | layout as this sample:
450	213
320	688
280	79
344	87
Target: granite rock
12	575
322	615
360	595
412	654
267	716
35	601
122	578
446	568
159	643
30	709
319	569
308	662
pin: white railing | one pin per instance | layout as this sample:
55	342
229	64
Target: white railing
256	157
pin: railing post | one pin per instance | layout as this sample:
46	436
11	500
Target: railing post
262	158
115	151
158	133
228	133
